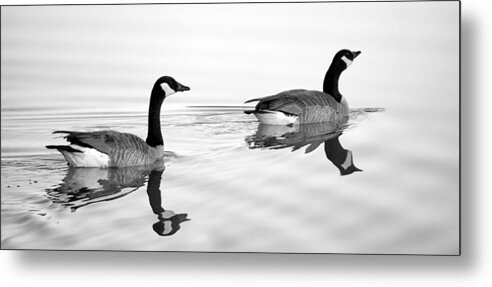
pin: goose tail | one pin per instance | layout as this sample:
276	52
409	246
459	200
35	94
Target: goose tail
252	100
62	148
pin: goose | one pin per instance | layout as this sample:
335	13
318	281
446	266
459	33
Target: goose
308	106
108	148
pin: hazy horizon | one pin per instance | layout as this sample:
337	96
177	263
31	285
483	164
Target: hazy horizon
61	57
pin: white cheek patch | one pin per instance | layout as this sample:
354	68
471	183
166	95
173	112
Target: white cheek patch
168	227
347	61
348	160
165	87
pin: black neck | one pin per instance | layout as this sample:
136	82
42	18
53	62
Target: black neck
330	84
334	151
154	192
154	135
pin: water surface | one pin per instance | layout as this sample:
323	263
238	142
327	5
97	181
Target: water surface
231	184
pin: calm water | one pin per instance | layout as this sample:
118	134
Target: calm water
230	184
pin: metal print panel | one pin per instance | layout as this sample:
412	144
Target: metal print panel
254	127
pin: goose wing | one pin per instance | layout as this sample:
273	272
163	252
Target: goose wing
295	102
106	141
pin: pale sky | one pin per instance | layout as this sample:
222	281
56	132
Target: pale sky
59	56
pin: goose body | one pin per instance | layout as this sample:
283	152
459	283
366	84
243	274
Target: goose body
108	148
307	106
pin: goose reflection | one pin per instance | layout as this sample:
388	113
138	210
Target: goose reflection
168	221
85	186
310	135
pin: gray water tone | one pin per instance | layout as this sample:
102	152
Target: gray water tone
231	184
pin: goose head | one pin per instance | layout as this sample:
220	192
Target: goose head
169	222
344	58
168	85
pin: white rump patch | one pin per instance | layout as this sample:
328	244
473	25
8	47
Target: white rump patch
88	157
347	61
165	87
276	118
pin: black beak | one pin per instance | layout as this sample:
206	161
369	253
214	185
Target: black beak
182	88
357	53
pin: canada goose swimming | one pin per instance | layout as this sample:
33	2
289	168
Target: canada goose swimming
307	106
109	148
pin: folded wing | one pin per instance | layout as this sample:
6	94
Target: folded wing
123	149
310	106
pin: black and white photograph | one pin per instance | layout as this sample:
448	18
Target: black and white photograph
306	127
